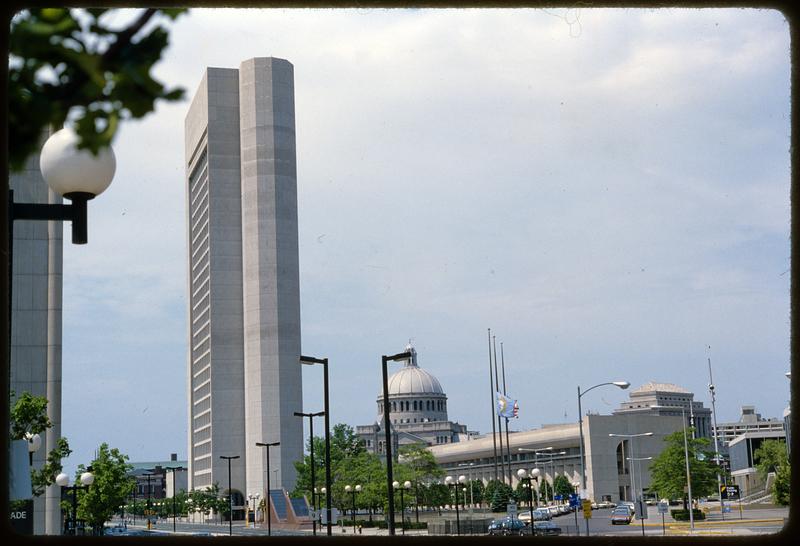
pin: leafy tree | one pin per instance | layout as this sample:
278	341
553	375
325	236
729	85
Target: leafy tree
771	457
475	488
545	490
781	490
28	415
70	63
561	486
100	501
498	494
437	495
668	470
522	494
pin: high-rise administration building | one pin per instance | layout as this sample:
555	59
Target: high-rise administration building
244	380
36	286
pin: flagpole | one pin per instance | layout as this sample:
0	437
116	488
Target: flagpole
499	424
508	442
493	396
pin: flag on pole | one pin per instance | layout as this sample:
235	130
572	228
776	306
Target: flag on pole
506	407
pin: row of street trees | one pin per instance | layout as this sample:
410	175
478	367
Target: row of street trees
352	464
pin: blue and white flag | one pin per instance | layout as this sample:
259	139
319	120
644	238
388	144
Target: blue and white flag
506	407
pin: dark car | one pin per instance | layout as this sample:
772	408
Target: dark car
507	526
546	528
621	514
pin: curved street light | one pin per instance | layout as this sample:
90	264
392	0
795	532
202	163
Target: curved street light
621	385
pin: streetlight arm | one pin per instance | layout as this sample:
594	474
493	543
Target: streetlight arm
581	393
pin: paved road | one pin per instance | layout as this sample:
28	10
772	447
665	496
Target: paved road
753	521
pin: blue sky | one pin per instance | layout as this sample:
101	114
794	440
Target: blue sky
607	189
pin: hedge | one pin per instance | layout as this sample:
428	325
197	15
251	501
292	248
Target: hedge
683	515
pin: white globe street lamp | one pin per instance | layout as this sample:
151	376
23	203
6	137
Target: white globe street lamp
73	173
86	479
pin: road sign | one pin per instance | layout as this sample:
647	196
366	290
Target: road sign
729	492
558	497
574	501
587	508
511	509
334	516
663	507
641	509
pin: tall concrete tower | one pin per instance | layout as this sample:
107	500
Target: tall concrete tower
244	380
36	323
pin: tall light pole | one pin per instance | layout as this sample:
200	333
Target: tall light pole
387	430
642	505
712	390
471	498
174	509
452	483
310	361
229	458
621	385
552	485
311	443
522	474
688	474
269	497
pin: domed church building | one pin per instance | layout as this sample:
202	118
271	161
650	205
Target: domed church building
418	411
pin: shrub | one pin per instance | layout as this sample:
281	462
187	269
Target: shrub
683	515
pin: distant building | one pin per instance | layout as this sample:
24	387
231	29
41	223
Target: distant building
555	449
668	399
154	479
418	412
749	421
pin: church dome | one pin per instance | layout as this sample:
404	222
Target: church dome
412	379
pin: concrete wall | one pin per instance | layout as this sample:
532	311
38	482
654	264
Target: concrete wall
36	287
602	477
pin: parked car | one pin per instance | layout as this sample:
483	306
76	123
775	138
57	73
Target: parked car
546	528
621	515
507	526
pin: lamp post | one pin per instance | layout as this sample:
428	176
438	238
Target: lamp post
266	492
174	491
34	443
387	430
229	458
311	443
471	498
149	499
190	508
451	483
353	491
310	361
642	505
621	385
86	479
395	487
522	474
551	486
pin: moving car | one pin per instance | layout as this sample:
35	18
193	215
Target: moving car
621	514
630	505
546	528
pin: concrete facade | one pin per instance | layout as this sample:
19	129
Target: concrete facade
36	287
609	475
243	377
